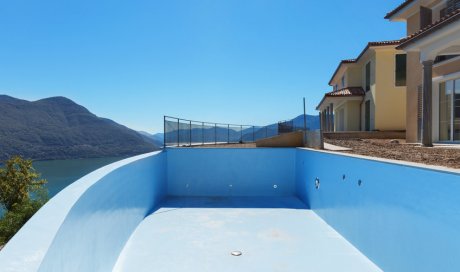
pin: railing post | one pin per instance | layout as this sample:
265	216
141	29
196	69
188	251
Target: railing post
178	141
228	133
253	134
241	133
304	123
202	132
164	132
190	122
215	133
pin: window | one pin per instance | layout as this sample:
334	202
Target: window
368	76
442	12
452	5
343	81
449	110
400	70
336	87
426	17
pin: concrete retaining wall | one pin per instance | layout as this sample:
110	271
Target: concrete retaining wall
365	135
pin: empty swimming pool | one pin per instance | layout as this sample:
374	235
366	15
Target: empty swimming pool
279	209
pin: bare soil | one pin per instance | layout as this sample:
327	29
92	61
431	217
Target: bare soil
399	150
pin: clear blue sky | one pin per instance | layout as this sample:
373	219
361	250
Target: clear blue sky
237	61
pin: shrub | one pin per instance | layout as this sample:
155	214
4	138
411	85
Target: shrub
22	193
13	220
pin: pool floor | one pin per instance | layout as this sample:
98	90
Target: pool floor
273	234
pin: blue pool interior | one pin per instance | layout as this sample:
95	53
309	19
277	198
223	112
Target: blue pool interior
186	209
273	234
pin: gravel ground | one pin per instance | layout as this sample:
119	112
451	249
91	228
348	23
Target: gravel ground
442	156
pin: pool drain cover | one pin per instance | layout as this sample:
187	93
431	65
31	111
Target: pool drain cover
236	253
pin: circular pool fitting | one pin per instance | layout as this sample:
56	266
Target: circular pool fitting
236	253
360	182
275	186
317	183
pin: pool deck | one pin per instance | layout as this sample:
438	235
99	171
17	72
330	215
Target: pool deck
273	234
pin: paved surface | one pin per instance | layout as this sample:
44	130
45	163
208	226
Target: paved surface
453	146
273	234
332	147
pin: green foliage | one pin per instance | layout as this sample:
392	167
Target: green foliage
17	181
14	219
21	194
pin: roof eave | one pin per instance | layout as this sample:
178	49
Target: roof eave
426	33
343	62
353	61
398	10
321	102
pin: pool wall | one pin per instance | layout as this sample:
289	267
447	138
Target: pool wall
84	226
102	220
404	218
231	172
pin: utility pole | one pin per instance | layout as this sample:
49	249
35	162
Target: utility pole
304	123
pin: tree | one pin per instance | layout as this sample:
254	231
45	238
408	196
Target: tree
22	193
13	220
18	181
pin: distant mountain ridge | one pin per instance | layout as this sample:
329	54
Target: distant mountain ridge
156	138
312	122
58	128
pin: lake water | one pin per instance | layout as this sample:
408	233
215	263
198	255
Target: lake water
60	173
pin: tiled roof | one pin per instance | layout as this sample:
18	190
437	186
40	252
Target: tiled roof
348	61
398	8
345	92
382	43
444	21
369	44
350	91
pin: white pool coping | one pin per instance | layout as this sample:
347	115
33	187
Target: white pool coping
397	162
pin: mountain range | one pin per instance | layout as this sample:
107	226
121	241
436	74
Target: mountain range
58	128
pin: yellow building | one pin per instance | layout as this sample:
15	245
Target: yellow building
433	68
369	92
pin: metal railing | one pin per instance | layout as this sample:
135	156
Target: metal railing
184	132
